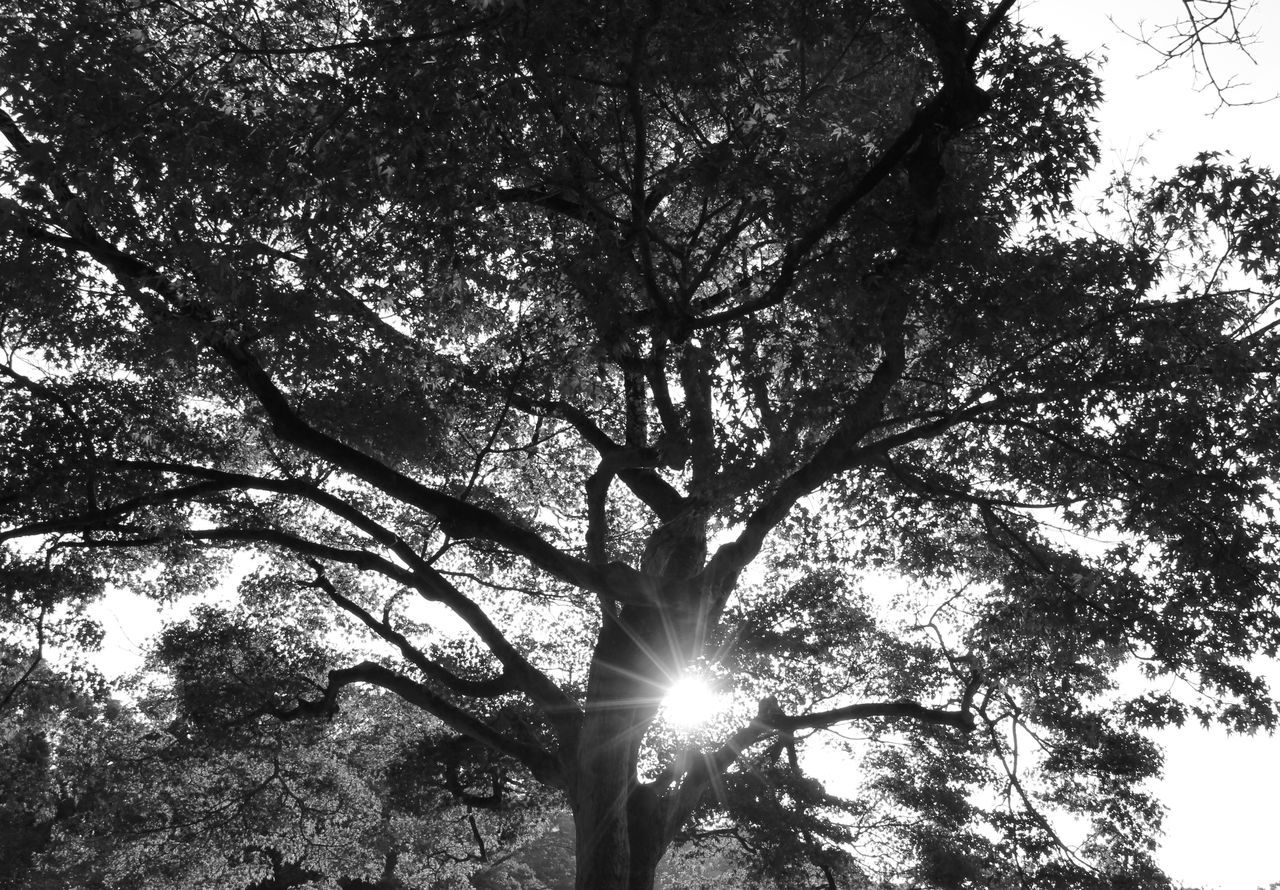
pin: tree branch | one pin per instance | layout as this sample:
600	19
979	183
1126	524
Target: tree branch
422	577
832	457
638	475
956	105
543	764
457	517
101	518
36	660
612	464
769	721
987	31
489	688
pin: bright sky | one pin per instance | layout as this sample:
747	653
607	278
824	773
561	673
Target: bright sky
1158	114
1221	791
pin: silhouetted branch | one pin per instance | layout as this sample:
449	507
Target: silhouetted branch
36	659
543	764
484	688
700	772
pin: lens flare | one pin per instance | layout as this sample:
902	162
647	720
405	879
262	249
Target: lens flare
690	702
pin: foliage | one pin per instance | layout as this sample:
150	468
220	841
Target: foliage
529	356
161	796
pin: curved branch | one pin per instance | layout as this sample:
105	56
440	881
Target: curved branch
955	106
36	660
457	517
561	710
420	576
101	518
638	473
612	464
770	721
543	764
961	719
795	254
489	688
832	457
553	199
928	483
987	31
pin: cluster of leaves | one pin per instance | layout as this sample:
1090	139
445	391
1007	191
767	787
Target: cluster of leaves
190	787
515	308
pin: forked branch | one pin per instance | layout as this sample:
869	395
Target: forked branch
770	721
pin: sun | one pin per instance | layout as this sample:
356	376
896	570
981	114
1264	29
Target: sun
690	702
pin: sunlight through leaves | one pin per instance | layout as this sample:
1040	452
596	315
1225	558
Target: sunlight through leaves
692	702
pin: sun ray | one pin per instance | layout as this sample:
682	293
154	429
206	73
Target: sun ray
691	702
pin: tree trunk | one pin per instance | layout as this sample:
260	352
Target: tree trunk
617	823
602	846
617	827
644	829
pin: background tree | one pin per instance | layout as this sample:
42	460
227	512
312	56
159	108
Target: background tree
565	351
164	794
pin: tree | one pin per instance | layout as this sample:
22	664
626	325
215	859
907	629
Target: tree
669	328
170	792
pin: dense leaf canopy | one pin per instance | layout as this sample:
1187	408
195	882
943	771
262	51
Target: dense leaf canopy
494	365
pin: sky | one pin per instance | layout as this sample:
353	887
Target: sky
1167	116
1221	791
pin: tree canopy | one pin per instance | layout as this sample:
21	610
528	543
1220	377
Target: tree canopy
159	792
496	365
